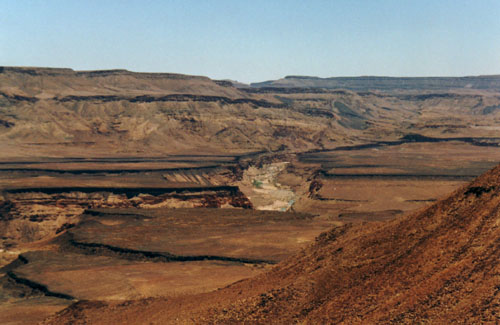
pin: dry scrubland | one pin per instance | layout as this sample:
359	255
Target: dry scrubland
298	200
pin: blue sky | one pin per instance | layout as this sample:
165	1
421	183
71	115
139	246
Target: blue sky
256	40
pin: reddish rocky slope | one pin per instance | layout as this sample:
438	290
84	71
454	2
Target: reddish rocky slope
439	265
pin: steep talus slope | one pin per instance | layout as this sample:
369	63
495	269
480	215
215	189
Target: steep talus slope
438	265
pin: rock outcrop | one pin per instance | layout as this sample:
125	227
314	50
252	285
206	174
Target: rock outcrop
30	214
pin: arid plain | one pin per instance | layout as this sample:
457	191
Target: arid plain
161	198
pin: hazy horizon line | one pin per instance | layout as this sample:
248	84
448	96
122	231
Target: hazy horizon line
261	81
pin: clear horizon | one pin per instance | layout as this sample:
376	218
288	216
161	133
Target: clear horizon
256	41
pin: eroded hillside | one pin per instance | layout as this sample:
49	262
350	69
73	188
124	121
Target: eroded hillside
61	112
439	265
182	164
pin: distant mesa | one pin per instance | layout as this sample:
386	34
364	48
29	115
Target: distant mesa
361	83
41	71
364	83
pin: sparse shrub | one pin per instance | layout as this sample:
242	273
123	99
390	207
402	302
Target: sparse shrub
28	231
257	184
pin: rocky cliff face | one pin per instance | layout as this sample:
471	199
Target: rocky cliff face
31	214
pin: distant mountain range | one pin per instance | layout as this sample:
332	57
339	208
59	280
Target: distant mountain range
365	83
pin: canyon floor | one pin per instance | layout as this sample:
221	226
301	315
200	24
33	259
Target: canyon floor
122	194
